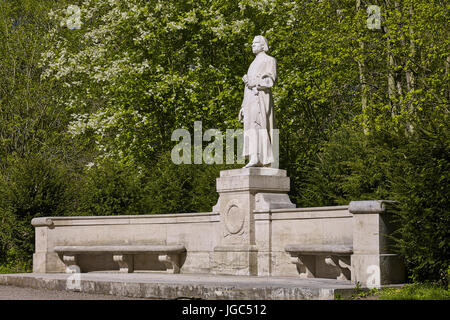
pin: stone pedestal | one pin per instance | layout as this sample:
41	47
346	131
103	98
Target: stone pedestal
372	262
241	193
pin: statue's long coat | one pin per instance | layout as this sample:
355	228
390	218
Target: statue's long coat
258	109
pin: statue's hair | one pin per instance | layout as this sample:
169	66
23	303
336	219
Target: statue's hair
264	41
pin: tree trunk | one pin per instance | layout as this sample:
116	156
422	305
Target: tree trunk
362	78
447	72
392	83
410	79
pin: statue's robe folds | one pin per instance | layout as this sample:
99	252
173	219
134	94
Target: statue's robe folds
258	109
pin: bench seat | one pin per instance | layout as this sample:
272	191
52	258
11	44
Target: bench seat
123	255
336	256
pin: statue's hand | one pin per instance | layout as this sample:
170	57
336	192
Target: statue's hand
241	115
255	91
245	79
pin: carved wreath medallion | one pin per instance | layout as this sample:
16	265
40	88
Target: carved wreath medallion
234	218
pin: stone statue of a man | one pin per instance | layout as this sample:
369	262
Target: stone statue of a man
257	112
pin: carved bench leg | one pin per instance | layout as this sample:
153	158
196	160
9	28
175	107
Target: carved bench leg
342	266
306	265
125	262
172	262
71	263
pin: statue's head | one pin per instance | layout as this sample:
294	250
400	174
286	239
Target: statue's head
259	44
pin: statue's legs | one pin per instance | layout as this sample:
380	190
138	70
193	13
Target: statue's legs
252	141
253	162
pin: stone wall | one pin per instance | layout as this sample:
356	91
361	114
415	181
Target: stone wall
245	234
198	232
309	226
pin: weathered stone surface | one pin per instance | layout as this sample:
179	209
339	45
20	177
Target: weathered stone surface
242	192
254	180
175	286
306	258
375	270
257	111
195	230
122	255
369	206
316	249
129	249
246	234
372	262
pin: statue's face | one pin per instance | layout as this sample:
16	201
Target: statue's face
257	46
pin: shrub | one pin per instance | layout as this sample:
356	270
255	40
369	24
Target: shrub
114	188
413	169
419	180
29	187
110	188
173	188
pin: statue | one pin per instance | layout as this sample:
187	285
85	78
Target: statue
257	111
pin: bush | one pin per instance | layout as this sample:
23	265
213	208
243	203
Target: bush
410	168
110	188
350	167
416	291
113	188
419	180
29	188
173	188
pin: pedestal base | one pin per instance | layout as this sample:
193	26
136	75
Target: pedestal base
242	192
235	260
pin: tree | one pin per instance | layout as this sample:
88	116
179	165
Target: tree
98	102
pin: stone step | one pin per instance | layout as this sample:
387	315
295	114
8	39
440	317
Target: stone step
185	286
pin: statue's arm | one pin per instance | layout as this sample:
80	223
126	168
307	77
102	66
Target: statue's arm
266	82
268	79
241	115
245	79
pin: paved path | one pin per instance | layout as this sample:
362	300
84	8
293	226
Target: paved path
18	293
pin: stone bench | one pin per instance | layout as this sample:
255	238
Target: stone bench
123	255
336	256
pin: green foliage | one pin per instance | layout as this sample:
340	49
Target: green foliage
416	291
29	117
419	181
29	188
33	182
351	166
361	294
110	189
413	171
184	61
175	188
363	113
15	267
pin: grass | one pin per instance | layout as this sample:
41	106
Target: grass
415	291
426	291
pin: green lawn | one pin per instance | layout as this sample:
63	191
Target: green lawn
416	291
